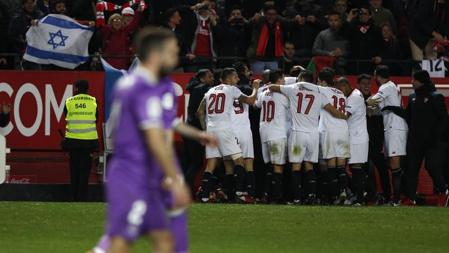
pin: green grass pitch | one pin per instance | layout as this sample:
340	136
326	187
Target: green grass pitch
75	227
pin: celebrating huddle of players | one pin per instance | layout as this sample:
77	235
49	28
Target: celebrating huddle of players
320	130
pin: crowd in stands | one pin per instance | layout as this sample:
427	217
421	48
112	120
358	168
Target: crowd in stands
350	36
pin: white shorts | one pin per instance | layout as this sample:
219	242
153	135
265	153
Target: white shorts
275	151
334	144
303	146
227	144
395	142
359	153
245	141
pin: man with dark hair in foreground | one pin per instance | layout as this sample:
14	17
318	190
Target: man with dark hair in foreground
145	187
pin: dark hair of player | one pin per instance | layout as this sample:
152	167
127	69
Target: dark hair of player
327	75
383	71
151	39
362	77
343	80
306	76
82	86
202	73
275	75
295	70
226	73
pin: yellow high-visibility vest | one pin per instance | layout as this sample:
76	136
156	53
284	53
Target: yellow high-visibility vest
81	117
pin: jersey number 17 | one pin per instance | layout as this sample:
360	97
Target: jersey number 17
301	97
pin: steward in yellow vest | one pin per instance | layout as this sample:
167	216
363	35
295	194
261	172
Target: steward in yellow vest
81	137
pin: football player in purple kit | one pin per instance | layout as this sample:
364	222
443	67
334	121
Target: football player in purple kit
145	186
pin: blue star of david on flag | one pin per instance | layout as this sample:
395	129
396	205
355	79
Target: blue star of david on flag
58	40
54	39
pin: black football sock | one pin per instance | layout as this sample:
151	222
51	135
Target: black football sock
357	182
311	182
324	185
229	185
277	186
296	185
342	179
250	183
396	175
205	184
268	181
332	183
213	181
239	173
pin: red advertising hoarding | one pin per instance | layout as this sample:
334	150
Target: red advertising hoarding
37	119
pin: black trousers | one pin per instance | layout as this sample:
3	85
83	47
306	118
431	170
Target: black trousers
434	162
194	158
80	166
377	158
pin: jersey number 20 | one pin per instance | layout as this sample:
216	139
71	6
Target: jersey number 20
217	103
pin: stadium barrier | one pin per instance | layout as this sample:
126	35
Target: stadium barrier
4	169
36	128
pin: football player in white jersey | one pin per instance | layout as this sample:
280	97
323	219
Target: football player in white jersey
303	144
273	130
218	107
334	140
395	127
358	135
242	130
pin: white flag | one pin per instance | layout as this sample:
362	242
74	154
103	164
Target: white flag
58	40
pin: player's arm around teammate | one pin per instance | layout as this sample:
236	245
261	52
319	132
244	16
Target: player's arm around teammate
395	127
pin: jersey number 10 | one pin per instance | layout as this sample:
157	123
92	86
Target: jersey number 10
268	110
217	103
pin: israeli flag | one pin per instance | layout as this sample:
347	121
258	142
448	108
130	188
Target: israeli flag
58	40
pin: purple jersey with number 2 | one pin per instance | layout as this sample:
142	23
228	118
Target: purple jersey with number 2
136	202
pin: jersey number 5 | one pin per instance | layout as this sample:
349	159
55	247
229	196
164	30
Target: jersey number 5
217	103
310	97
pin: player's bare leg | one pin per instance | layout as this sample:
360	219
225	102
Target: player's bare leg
396	175
119	245
295	183
250	178
310	183
162	241
206	186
